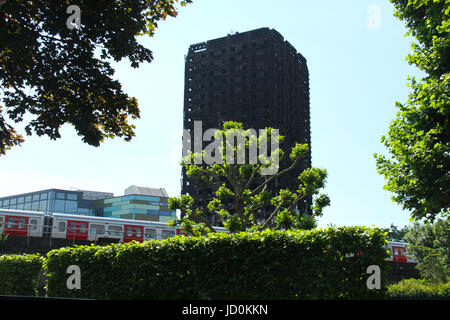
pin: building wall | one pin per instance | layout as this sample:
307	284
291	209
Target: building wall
140	207
51	200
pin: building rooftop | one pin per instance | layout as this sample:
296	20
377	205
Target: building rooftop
155	192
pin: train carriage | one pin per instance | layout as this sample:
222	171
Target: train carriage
22	223
96	228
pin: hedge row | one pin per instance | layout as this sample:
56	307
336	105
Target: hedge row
419	289
19	275
315	264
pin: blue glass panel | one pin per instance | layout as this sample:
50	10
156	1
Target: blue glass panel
59	205
72	196
35	205
71	206
135	210
60	195
43	205
109	209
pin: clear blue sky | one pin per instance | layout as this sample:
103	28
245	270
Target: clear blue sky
356	75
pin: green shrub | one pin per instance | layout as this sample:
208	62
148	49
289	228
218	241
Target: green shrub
419	289
19	274
262	265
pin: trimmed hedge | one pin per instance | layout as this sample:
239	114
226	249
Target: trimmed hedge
19	274
419	289
263	265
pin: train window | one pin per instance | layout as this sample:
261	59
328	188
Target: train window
72	227
61	226
33	224
114	230
150	233
168	233
83	227
97	229
21	223
129	231
11	222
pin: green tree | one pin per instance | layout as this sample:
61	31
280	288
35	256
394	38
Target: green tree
60	75
396	234
418	140
430	245
238	197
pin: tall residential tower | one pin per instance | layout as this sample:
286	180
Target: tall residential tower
256	78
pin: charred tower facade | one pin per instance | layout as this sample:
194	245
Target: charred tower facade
256	78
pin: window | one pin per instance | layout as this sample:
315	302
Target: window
20	200
21	224
36	197
33	225
97	229
59	205
6	203
1	222
35	206
60	195
71	206
61	226
28	199
72	227
11	222
133	231
168	233
43	205
27	206
44	196
129	231
13	201
150	233
83	227
72	196
114	230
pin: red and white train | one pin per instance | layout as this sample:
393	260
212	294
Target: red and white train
76	227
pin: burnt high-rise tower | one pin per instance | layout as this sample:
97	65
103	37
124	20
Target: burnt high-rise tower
256	78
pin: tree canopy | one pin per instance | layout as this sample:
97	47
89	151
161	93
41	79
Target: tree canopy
418	140
62	75
240	199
